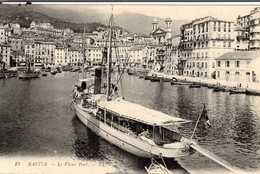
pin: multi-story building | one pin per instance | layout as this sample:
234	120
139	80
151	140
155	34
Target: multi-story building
242	32
138	56
94	54
16	42
240	66
75	55
5	52
202	40
18	56
44	52
177	66
61	55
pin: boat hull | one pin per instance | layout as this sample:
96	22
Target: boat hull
28	75
2	75
128	142
252	92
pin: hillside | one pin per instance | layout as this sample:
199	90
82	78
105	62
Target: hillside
24	15
85	14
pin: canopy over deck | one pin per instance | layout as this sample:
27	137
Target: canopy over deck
140	113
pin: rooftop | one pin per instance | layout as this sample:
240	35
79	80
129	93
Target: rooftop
239	55
140	113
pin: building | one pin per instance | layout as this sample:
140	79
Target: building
5	53
240	66
16	42
94	54
202	40
160	35
242	32
138	56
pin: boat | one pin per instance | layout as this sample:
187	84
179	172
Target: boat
252	92
44	74
194	85
156	167
167	79
53	71
28	72
211	86
176	82
221	88
2	70
237	90
155	78
136	129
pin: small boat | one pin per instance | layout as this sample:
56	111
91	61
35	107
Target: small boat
148	77
237	90
220	88
44	74
194	85
211	86
28	74
252	92
179	82
155	78
53	71
2	75
141	75
156	167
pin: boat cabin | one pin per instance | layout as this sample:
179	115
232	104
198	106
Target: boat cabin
84	85
146	124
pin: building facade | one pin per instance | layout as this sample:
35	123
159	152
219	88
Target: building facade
202	41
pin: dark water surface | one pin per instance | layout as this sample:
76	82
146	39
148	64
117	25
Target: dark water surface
36	120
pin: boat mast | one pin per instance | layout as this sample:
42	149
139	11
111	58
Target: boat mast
84	56
109	57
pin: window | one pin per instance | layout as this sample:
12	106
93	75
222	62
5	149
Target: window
214	43
218	63
224	44
218	73
236	64
213	65
227	63
206	64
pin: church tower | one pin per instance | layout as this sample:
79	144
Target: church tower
155	24
168	27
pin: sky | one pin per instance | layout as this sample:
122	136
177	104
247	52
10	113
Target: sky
189	12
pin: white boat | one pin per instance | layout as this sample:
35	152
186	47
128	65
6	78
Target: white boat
134	128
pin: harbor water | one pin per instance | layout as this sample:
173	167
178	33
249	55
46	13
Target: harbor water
36	120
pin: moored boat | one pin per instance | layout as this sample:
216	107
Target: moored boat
28	74
237	90
252	92
44	74
194	85
53	71
2	75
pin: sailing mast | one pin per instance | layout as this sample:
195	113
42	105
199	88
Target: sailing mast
109	57
84	56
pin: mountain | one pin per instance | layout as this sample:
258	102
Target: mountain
24	15
144	23
76	15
